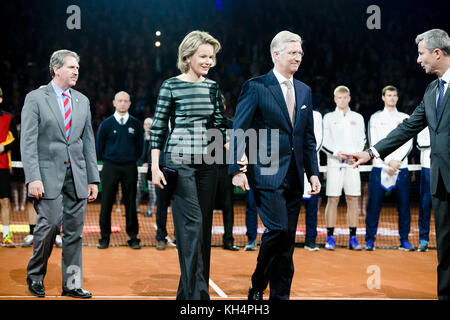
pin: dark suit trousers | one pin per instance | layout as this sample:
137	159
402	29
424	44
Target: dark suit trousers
192	210
442	222
111	175
279	210
66	210
224	202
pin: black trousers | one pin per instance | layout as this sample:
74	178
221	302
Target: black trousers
192	210
440	202
279	210
224	202
112	174
163	199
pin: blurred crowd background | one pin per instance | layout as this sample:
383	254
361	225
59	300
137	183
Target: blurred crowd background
116	43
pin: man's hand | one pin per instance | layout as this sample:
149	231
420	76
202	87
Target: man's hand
36	189
240	181
243	162
345	158
359	157
92	192
2	148
315	185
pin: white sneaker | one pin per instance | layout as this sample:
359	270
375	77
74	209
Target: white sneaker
58	241
28	241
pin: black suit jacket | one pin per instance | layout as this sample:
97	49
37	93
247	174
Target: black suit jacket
262	106
425	115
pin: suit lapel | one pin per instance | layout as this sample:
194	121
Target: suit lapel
275	89
444	103
298	99
54	107
75	113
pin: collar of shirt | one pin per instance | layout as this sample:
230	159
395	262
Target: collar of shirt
58	91
118	116
281	78
341	112
59	98
446	78
390	113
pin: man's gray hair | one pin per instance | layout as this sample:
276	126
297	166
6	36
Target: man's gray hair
435	39
279	41
57	59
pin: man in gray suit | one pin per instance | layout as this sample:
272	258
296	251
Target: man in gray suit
434	112
60	164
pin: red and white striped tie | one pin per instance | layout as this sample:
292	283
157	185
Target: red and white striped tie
67	119
67	115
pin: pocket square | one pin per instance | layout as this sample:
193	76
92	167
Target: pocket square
303	107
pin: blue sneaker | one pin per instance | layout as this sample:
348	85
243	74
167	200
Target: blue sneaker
423	247
331	243
370	245
353	243
406	246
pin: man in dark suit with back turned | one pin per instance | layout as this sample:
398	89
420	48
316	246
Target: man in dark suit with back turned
58	156
434	112
276	104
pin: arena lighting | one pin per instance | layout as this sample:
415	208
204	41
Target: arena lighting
158	33
157	44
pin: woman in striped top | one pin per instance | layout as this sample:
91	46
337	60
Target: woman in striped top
192	104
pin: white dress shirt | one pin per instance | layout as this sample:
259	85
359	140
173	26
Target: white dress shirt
281	79
118	117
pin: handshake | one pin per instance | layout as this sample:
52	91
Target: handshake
357	158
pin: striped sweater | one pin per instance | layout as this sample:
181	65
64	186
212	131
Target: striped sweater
192	108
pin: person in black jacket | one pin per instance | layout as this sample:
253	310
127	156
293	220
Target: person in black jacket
119	145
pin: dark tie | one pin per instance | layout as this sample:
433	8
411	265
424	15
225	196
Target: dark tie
122	120
441	96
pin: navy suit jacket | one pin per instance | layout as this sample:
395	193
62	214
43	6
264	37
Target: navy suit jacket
261	105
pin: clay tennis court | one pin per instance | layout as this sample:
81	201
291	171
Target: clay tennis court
123	273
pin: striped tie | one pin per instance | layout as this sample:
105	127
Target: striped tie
67	115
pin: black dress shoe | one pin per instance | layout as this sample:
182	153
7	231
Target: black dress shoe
102	244
36	288
230	247
134	243
76	293
254	294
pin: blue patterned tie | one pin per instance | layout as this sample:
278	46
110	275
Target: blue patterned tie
441	96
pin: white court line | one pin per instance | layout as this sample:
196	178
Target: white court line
217	289
211	283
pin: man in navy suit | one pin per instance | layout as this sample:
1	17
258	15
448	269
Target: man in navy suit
276	110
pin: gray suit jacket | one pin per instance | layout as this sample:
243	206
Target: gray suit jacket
44	147
425	115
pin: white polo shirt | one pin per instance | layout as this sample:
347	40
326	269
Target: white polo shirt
423	144
381	123
344	133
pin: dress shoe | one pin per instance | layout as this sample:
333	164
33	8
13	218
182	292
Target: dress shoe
103	244
254	294
36	288
230	247
161	245
134	243
76	293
